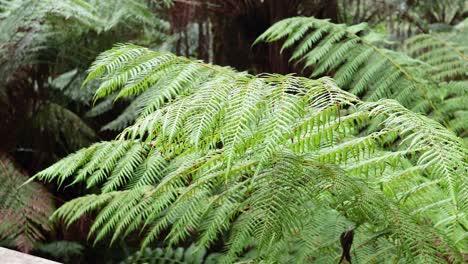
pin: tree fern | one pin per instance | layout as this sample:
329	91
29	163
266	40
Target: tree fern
352	55
24	210
260	159
52	43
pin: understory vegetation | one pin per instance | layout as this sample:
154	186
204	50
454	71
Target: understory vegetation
170	132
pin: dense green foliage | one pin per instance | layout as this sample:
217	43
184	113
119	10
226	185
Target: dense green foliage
358	155
45	48
168	255
53	42
433	81
268	159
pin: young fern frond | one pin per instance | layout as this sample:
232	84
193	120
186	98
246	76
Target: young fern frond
351	56
223	153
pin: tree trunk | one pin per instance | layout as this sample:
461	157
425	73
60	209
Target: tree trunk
234	35
236	24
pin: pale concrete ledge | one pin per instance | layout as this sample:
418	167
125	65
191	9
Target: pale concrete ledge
8	256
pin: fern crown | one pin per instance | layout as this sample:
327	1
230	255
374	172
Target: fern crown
278	162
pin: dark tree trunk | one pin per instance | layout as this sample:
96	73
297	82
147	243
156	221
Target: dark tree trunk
330	10
234	36
237	23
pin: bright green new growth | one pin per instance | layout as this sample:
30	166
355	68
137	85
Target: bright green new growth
351	54
271	161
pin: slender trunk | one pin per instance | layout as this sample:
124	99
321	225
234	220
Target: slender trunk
178	43
345	13
186	43
358	11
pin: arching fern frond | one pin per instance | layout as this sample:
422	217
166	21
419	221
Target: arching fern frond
34	31
448	59
24	210
256	159
63	126
426	133
351	55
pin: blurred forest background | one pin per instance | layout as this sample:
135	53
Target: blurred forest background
46	113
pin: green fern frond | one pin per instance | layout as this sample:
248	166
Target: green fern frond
62	249
447	161
169	255
251	157
449	59
360	66
63	126
34	31
24	209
